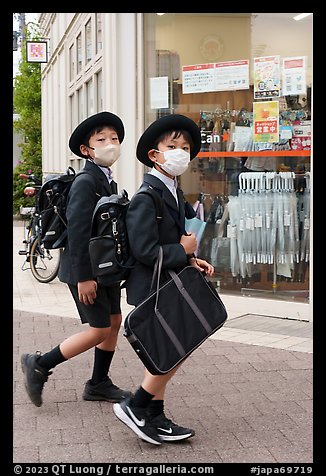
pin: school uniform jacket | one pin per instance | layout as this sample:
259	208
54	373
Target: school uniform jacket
83	196
146	234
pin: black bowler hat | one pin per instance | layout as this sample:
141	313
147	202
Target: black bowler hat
97	120
165	124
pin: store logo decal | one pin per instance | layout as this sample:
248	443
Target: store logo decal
214	138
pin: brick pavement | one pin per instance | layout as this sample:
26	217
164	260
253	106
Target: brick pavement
247	404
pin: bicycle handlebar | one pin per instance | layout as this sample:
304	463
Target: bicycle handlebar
30	177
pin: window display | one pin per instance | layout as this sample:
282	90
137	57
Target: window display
250	183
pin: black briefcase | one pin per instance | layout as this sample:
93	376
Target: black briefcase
175	319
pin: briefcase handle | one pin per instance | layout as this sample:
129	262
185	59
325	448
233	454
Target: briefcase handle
157	270
157	274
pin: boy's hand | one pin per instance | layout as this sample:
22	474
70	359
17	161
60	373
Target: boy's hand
202	265
87	291
189	243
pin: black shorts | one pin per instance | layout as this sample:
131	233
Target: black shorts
98	314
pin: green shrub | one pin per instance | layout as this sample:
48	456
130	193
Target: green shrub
27	103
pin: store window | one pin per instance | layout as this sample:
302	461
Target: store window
89	98
99	91
72	109
98	22
80	104
79	53
72	62
245	79
88	41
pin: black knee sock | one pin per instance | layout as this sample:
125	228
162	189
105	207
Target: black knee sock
102	362
141	398
155	408
51	358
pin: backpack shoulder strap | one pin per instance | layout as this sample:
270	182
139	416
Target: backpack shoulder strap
97	182
157	200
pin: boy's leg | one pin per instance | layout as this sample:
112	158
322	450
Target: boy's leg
105	312
100	386
104	351
135	417
167	430
155	384
36	367
144	413
35	377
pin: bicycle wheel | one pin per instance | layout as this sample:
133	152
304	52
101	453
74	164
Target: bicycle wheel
44	263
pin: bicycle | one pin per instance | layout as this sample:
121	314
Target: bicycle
43	263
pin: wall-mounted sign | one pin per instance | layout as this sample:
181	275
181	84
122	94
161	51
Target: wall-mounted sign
232	75
224	76
198	78
36	51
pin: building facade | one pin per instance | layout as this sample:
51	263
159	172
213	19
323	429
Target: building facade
246	80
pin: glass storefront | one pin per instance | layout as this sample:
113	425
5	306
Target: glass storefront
245	79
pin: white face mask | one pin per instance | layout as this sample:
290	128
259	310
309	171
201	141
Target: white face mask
176	161
106	156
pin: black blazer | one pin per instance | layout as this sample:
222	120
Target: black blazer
146	234
84	194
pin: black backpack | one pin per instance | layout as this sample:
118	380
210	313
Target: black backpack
52	207
109	251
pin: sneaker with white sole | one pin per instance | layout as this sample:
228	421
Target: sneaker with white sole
169	431
137	420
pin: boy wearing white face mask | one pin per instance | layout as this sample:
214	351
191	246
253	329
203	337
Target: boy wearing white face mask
167	146
97	139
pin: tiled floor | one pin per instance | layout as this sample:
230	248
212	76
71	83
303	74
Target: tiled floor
246	403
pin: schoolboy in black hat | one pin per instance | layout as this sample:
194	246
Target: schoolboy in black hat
167	146
97	139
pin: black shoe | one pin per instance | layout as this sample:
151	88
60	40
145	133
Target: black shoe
35	377
136	419
169	431
106	391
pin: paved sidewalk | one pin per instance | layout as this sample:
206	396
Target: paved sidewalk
247	403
